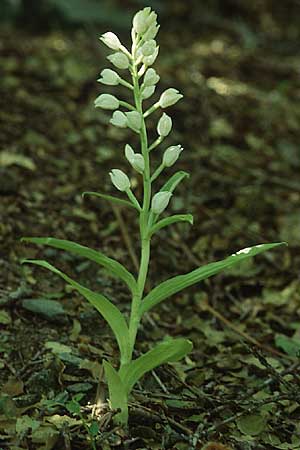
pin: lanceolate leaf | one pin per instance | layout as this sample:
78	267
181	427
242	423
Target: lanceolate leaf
117	392
114	267
169	351
109	311
170	220
176	284
110	198
173	182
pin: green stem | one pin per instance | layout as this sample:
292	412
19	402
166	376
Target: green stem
126	84
127	105
151	110
156	143
157	172
133	199
135	316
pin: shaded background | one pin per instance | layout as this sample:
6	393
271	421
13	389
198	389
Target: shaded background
238	65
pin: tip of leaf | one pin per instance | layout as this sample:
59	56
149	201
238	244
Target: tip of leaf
186	174
23	261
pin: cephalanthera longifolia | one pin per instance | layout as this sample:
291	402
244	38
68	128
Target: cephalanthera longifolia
133	70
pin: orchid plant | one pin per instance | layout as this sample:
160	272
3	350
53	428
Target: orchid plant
141	83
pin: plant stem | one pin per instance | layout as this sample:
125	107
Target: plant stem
144	213
157	172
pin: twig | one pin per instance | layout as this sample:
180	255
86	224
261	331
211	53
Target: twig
246	336
160	383
126	236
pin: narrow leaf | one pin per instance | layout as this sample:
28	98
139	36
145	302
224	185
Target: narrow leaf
114	267
178	283
107	309
117	393
110	198
170	220
168	351
173	182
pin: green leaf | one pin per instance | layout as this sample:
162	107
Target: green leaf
110	198
289	345
168	351
113	266
94	428
109	311
73	407
117	393
176	284
25	423
173	182
50	309
252	425
170	220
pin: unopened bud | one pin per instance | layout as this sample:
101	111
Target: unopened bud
150	77
134	120
119	60
119	119
138	163
171	155
111	40
164	125
107	101
169	97
147	92
120	180
140	24
129	152
149	60
109	77
151	19
148	48
136	159
151	32
160	201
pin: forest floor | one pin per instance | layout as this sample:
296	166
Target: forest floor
239	125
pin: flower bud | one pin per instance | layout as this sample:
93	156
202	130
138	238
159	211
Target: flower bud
169	98
134	120
151	19
148	48
120	180
140	24
150	77
109	77
160	201
171	155
151	32
138	163
164	125
107	101
147	92
111	40
119	60
136	159
149	60
119	119
129	152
